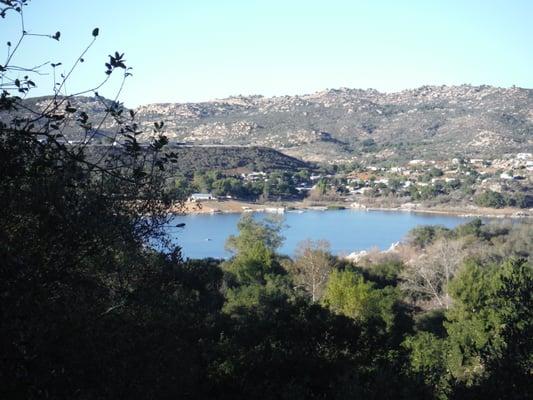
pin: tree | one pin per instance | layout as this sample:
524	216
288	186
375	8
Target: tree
422	236
280	349
490	327
254	272
490	199
312	267
487	350
429	275
321	187
428	359
512	368
74	229
251	231
348	294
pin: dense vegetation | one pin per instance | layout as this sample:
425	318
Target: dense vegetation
276	185
190	159
90	310
426	185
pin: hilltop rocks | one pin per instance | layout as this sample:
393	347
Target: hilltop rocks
335	125
430	122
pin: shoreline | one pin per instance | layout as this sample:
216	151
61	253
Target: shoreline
241	207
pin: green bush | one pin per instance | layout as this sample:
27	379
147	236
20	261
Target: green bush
490	199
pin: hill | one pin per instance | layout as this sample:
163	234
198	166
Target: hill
203	158
431	122
428	122
192	158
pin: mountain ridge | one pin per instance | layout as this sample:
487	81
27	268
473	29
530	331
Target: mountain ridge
340	125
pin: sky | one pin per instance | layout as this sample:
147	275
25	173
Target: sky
199	50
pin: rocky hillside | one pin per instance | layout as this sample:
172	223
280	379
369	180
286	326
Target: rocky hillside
345	124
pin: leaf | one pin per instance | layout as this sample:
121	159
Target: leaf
96	31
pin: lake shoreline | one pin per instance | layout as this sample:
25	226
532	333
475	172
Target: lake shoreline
241	207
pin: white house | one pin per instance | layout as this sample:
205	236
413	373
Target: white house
201	196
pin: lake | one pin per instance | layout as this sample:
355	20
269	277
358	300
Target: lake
347	230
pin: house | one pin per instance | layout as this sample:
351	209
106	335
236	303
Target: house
363	190
506	176
417	162
397	169
201	197
254	176
524	156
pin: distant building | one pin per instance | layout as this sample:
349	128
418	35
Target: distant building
417	162
201	196
254	176
397	169
506	176
363	190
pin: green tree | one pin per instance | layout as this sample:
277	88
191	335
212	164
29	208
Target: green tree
487	351
422	236
490	199
266	231
428	360
254	271
201	182
348	294
322	187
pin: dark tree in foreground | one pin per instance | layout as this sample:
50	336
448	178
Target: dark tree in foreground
73	227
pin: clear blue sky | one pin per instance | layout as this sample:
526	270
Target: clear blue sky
195	50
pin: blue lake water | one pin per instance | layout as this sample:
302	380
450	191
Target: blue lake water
346	230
